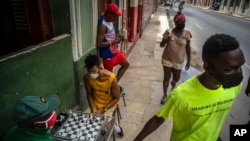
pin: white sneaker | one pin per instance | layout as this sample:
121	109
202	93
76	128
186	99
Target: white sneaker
118	129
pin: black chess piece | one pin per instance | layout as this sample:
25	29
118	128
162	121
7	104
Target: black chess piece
103	132
90	121
58	122
96	120
102	118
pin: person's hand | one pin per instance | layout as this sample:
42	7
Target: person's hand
165	34
247	91
101	111
187	66
119	36
94	110
117	40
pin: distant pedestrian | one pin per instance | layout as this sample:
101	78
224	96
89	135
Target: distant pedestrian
200	105
177	44
181	6
171	4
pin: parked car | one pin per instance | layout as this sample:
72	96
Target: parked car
216	6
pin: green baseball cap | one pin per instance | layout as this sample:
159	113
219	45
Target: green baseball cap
30	108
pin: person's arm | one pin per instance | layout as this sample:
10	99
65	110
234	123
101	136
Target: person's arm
188	52
163	42
101	35
115	91
150	126
89	93
164	39
247	91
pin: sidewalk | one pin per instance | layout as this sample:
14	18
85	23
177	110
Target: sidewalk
143	82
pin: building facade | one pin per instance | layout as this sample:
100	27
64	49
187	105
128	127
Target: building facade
241	7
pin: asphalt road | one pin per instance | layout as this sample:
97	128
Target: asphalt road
203	23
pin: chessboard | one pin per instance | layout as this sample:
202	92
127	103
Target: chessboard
84	127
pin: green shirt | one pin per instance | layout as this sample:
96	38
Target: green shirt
198	113
27	134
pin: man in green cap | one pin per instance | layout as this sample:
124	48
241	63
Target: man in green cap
34	116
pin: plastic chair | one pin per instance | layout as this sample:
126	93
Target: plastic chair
118	114
117	111
122	94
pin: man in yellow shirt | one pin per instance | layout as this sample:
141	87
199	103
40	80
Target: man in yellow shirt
200	105
102	88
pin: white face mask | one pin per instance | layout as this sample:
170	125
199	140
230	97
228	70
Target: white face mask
94	75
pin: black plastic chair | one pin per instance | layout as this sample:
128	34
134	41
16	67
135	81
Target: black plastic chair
117	111
122	94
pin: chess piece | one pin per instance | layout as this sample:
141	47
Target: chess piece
102	118
90	121
103	132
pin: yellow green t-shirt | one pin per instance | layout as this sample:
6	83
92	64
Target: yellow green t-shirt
198	113
101	91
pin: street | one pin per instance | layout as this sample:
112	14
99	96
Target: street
203	23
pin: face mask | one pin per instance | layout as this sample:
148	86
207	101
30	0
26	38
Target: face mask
230	80
94	75
180	26
110	19
50	122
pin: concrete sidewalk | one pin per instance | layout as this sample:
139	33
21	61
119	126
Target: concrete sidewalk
143	82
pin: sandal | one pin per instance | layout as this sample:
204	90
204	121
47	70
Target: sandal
163	99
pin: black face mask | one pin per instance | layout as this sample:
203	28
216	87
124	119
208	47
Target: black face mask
180	26
230	80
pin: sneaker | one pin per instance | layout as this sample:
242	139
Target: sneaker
163	99
118	129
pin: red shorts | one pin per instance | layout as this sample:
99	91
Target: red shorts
109	63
